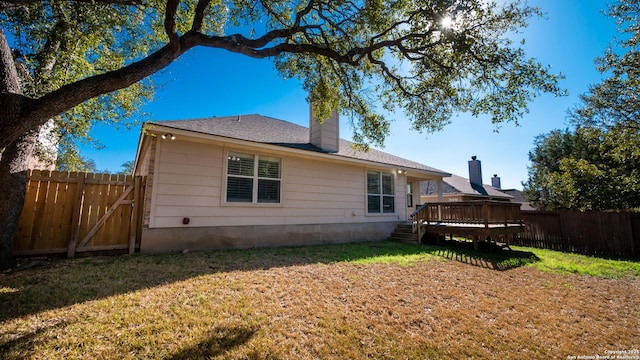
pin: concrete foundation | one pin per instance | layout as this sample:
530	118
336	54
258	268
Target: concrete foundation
238	237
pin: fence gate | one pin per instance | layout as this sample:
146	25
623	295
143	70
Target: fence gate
70	212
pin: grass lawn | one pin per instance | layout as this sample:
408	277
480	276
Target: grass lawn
354	301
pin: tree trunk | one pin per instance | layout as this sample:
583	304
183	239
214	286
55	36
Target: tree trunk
13	179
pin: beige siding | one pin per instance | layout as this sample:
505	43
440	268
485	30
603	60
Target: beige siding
187	182
190	182
401	194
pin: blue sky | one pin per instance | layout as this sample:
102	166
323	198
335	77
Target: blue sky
208	82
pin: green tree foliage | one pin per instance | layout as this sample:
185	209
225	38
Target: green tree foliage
70	160
127	167
585	169
597	165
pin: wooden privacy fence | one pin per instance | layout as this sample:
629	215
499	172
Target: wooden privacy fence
69	212
592	233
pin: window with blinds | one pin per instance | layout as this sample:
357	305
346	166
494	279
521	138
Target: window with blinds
380	192
252	178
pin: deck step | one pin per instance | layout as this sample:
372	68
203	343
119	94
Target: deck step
404	233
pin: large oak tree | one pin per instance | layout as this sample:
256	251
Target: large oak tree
430	58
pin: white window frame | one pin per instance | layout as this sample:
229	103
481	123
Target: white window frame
255	177
381	194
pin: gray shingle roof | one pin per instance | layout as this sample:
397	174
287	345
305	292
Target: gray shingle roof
518	197
267	130
459	185
516	194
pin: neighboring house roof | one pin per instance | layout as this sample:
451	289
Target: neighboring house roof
267	130
517	195
459	185
519	198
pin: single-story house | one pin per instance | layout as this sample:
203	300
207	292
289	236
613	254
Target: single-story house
457	188
251	180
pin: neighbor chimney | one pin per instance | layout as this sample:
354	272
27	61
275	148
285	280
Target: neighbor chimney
495	181
475	171
326	136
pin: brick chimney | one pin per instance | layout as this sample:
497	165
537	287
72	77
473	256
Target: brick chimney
475	171
326	135
495	181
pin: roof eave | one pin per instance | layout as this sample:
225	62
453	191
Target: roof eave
153	127
141	149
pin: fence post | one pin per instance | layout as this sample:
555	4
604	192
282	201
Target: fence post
133	232
77	214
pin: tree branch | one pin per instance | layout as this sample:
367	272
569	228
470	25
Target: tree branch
302	13
36	112
255	48
11	98
170	23
198	17
9	81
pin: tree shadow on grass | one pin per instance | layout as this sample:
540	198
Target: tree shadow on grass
490	256
17	347
59	282
218	341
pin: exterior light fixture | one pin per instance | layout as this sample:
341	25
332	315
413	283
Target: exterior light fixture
402	172
168	136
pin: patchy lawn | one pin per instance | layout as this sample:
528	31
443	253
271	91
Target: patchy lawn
373	300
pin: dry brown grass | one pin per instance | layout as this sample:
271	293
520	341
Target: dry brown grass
215	305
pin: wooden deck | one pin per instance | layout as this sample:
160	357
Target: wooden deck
482	219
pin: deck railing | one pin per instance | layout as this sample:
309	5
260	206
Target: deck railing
484	212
